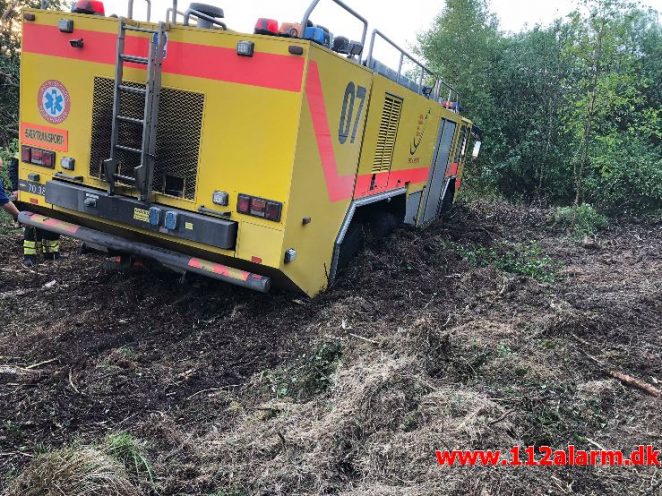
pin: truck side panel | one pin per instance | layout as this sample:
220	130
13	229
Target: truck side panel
333	117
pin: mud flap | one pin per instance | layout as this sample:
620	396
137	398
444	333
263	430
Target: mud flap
168	258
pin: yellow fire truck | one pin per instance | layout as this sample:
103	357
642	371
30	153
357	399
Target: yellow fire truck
255	159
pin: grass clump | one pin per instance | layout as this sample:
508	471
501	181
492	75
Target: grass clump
583	220
310	376
129	451
75	472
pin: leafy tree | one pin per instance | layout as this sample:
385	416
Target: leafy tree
10	31
571	112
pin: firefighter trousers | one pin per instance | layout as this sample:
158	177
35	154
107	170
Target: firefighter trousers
37	241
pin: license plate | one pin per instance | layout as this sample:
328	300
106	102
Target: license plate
32	188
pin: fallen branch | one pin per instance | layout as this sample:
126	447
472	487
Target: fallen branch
626	379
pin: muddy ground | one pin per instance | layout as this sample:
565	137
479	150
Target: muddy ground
480	332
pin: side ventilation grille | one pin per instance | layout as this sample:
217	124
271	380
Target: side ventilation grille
388	132
177	136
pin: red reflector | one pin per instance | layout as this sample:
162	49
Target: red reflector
34	200
94	7
26	154
244	204
273	211
256	260
266	26
258	207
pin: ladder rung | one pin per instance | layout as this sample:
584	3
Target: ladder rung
139	29
125	179
131	119
135	59
128	149
132	89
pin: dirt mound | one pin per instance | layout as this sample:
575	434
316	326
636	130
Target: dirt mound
472	334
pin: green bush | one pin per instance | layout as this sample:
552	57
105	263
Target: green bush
626	177
523	259
309	376
584	220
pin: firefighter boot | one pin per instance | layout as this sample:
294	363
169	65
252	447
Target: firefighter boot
32	247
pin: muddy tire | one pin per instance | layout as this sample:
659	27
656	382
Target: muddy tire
382	224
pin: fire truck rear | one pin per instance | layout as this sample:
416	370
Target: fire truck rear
250	158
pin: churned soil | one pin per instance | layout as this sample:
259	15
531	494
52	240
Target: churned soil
492	328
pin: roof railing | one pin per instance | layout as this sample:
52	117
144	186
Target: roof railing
149	10
435	92
440	91
171	15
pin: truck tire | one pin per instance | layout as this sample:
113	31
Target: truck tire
352	244
382	224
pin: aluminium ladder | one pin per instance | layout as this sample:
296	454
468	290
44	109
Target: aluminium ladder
143	174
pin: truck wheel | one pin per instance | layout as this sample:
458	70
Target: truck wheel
351	245
383	224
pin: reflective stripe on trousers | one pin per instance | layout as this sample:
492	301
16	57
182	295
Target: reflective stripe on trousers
32	247
51	246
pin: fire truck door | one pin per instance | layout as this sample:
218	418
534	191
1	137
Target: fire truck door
437	182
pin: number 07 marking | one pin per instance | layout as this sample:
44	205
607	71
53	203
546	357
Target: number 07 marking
352	93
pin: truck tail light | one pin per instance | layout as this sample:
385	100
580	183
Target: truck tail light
37	156
259	207
273	211
244	204
26	154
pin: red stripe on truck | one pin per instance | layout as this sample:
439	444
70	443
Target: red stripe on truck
338	187
386	181
266	70
341	187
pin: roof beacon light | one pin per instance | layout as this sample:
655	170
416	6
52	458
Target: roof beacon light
266	26
93	7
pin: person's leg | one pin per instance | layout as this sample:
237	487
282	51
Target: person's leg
51	244
31	247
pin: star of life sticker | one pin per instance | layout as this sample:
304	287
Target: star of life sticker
54	101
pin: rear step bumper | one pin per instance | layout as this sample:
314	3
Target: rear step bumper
172	259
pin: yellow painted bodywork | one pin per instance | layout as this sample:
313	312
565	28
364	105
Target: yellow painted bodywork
261	141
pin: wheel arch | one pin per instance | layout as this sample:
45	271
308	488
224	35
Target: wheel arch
358	206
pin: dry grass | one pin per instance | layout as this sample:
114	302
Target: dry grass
73	472
381	423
